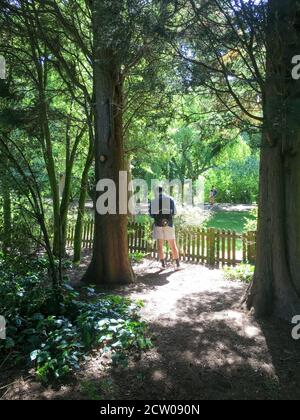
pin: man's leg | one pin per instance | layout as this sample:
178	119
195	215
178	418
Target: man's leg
175	252
161	254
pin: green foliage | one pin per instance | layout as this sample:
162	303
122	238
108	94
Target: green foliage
251	224
235	176
243	273
137	257
200	142
55	332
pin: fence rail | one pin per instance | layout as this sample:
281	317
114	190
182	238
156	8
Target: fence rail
204	246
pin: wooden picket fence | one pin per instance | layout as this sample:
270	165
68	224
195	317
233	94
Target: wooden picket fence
87	236
204	246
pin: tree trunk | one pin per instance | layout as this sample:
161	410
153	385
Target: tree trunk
60	242
7	218
81	206
110	263
276	286
56	214
7	215
64	210
50	167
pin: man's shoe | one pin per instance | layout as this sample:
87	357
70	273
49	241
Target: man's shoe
163	263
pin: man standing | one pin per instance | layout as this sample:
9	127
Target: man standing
213	195
162	210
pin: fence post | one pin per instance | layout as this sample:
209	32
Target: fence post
212	247
244	240
234	248
252	247
223	247
217	245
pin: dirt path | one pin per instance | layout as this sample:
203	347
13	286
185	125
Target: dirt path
205	347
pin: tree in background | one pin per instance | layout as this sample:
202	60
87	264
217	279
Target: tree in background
199	134
236	173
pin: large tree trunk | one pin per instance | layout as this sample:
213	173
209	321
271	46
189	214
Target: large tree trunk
110	262
276	286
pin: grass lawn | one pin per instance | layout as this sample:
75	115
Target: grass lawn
229	220
221	219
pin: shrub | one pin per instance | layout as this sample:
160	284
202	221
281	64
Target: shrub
55	334
137	257
243	272
251	224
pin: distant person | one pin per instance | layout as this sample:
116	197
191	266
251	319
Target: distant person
162	210
213	196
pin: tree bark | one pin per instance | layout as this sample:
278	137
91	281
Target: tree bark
110	263
7	218
275	289
7	210
81	205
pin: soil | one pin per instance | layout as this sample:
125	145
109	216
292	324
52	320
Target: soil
206	347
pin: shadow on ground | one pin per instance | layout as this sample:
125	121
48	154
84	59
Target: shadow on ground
205	348
214	352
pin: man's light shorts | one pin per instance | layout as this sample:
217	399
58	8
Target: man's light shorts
166	233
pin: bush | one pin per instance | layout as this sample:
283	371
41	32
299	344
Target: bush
137	257
243	272
55	333
251	225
